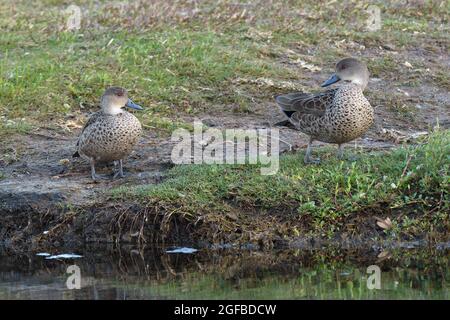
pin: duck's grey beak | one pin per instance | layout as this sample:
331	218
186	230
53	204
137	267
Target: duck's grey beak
333	79
132	105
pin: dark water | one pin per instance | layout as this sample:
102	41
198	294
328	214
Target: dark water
326	273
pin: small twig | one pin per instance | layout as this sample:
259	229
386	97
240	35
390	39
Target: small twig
406	166
148	126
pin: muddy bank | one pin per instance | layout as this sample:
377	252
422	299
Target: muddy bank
144	225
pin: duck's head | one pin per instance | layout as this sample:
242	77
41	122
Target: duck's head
114	99
350	70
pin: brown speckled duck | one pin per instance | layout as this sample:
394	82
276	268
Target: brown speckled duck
337	115
111	133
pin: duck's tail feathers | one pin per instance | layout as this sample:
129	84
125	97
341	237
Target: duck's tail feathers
285	102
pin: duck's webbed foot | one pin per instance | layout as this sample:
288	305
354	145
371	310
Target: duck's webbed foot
340	154
119	173
308	159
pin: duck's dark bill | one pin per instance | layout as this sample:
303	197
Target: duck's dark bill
132	105
333	79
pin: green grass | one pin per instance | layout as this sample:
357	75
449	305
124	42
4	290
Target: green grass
164	67
413	178
179	65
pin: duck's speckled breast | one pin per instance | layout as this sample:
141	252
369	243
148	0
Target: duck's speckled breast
349	116
110	137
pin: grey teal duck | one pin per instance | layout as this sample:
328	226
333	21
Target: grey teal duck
111	133
337	115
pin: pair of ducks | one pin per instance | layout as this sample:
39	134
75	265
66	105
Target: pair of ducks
336	116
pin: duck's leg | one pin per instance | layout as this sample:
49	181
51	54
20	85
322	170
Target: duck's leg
340	153
93	175
119	173
308	158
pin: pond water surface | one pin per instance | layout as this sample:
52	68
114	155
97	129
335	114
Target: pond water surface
325	273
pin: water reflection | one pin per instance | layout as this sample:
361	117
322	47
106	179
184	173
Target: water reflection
329	273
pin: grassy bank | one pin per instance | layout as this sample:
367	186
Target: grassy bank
409	185
224	61
180	59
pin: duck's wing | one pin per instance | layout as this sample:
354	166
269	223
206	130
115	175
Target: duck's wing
92	119
314	104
